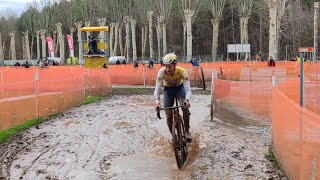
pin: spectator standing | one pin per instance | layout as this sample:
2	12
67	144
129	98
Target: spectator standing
271	62
150	63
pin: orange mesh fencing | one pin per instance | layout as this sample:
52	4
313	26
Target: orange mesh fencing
244	96
142	75
295	137
24	97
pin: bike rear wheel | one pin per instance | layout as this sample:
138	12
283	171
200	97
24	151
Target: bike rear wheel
179	144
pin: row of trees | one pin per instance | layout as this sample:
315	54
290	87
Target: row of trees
188	27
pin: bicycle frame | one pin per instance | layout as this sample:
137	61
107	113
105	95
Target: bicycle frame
179	141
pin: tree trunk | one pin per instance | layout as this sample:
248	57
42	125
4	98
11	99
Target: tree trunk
144	37
27	46
72	29
61	43
244	32
111	38
43	42
56	43
1	48
120	40
78	25
158	28
31	48
116	40
24	52
38	44
134	41
188	15
164	40
127	20
13	46
215	38
273	29
87	24
184	40
102	22
149	14
315	32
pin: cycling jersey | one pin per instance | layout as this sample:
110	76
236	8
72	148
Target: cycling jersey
180	77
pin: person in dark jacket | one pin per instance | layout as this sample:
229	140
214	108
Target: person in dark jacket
271	62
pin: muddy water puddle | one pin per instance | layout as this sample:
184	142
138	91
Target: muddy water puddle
159	164
122	139
144	166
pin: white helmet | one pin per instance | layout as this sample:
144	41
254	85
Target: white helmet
170	58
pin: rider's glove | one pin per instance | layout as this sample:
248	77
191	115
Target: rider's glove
157	106
186	103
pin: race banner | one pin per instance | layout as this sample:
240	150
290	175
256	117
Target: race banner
70	43
50	46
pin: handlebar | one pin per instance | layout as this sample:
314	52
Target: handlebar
166	108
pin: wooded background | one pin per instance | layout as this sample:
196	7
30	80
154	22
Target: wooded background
295	29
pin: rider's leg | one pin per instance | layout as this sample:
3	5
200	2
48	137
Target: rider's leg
186	117
168	97
169	116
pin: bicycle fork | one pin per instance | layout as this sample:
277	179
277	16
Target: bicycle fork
180	130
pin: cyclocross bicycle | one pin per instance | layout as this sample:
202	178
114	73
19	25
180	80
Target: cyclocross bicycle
179	142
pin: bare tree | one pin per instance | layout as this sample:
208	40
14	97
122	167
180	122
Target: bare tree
126	21
111	26
142	8
164	8
315	33
159	35
87	24
1	48
244	9
190	9
102	22
38	44
61	42
273	28
118	10
43	42
79	25
134	41
27	46
24	52
13	46
216	7
150	13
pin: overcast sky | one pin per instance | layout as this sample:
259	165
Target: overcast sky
15	5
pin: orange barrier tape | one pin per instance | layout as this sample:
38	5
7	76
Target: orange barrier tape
22	97
295	138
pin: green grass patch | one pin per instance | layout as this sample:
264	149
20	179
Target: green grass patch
272	158
90	99
6	134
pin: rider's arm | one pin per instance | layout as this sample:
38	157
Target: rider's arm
158	87
186	85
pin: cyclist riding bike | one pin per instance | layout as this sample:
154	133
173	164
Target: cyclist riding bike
176	84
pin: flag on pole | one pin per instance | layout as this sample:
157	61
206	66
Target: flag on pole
50	46
70	43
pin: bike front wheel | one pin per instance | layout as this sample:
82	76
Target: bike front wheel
179	144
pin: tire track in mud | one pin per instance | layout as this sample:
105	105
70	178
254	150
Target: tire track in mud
121	138
12	150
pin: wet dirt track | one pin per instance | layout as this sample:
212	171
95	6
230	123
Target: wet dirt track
121	138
